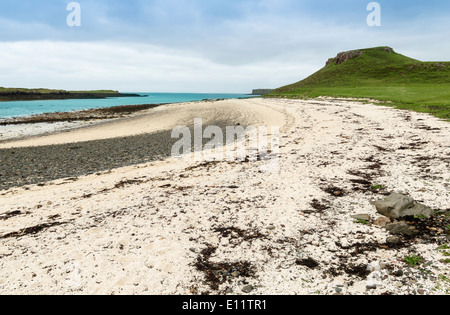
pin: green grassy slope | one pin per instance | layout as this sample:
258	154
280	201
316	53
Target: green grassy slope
381	74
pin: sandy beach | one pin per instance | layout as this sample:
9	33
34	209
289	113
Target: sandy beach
158	225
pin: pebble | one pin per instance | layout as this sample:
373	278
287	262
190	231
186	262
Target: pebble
338	289
248	289
398	273
34	165
375	266
382	221
371	286
401	228
393	240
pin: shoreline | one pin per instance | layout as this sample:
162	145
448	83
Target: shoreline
184	227
97	113
158	118
37	159
34	126
80	115
16	128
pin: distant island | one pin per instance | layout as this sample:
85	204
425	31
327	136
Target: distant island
19	94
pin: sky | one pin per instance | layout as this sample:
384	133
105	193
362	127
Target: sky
215	46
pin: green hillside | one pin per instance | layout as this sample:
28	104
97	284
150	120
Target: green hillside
382	74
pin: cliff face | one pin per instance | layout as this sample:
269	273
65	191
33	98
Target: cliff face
347	55
344	56
262	91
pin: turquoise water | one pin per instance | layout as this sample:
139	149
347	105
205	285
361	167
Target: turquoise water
27	108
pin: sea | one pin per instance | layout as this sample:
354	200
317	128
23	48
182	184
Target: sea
28	108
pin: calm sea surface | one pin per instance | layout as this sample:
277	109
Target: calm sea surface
27	108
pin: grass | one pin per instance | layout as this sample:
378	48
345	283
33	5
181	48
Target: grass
378	187
444	278
383	75
362	221
444	249
413	261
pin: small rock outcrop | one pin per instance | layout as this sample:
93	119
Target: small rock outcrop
351	54
262	91
345	56
401	228
397	206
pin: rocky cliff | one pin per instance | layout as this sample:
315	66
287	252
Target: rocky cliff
262	91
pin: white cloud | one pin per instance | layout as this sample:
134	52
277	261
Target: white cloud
133	67
260	49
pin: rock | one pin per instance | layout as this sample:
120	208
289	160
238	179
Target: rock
382	221
345	56
338	289
398	206
374	266
374	280
235	274
262	91
393	240
444	212
418	209
248	289
371	286
399	273
392	205
331	60
401	228
364	217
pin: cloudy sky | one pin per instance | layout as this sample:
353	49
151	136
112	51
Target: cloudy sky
203	45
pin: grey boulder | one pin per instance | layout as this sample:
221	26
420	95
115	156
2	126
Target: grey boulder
401	228
397	206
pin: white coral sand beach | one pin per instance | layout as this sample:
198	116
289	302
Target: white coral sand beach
186	227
